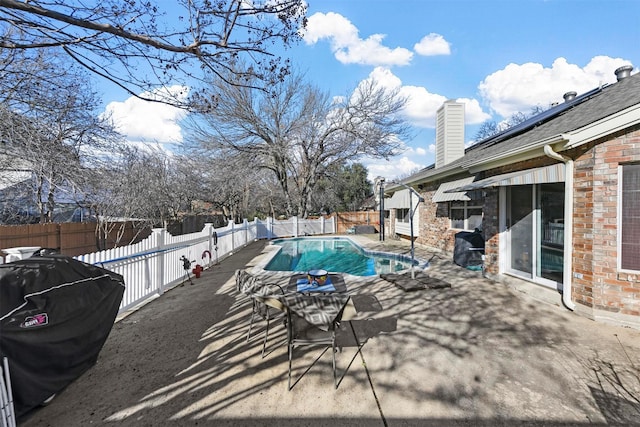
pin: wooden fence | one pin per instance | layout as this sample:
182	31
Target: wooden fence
346	220
69	238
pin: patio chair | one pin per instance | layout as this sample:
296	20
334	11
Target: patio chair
300	332
265	304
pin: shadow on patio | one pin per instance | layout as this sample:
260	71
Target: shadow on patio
473	354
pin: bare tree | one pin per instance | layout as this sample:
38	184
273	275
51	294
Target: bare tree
490	127
230	183
54	129
141	45
297	131
143	187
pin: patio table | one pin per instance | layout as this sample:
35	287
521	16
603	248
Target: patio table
319	308
335	284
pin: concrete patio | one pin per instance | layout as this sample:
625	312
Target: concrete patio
479	353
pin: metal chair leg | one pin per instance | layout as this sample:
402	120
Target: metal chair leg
266	334
253	314
290	357
333	354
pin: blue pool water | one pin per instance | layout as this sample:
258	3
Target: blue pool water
339	255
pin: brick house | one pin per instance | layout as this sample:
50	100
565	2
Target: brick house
557	199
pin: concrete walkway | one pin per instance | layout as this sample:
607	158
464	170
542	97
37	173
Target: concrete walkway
475	354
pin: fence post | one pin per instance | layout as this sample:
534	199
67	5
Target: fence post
209	225
270	227
295	226
233	232
246	231
159	235
257	225
322	225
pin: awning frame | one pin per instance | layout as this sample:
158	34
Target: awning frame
541	175
443	194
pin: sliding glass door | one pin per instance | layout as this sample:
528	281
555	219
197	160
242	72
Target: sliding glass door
551	232
535	232
520	223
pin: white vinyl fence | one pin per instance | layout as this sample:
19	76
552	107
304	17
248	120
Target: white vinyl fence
155	264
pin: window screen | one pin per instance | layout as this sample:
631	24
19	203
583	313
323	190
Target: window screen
630	218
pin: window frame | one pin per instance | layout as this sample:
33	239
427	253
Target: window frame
466	206
404	218
620	210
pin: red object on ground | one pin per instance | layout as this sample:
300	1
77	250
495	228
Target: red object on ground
197	270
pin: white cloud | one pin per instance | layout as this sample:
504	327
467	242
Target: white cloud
422	105
421	151
385	78
400	166
432	45
473	113
146	121
347	45
519	87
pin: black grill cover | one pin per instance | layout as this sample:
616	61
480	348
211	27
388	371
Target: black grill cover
55	315
463	253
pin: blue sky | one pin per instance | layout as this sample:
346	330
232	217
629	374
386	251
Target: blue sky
499	57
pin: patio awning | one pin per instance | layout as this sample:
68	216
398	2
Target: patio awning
442	194
399	200
546	174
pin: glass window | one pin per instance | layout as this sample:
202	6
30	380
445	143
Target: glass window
402	215
630	218
465	215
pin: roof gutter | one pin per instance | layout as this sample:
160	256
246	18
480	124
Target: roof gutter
519	154
610	124
567	274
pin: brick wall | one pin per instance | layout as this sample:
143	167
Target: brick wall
490	227
597	286
434	230
601	286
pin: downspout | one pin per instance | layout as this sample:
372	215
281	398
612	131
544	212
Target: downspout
567	276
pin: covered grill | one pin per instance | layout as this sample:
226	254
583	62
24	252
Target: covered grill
55	315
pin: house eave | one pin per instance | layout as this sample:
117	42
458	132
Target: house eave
601	128
528	152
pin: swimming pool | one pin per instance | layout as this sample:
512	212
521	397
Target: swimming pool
334	254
